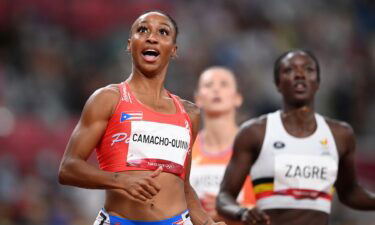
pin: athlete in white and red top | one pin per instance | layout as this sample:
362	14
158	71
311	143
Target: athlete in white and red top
143	137
295	156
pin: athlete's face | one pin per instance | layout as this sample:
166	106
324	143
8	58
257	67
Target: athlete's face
217	92
298	78
152	42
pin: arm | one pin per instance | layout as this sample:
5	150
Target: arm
244	155
74	168
197	213
246	149
348	189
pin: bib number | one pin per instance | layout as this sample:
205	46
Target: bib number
153	144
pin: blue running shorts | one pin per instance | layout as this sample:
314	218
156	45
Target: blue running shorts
105	218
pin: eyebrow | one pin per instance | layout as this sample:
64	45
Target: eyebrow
163	23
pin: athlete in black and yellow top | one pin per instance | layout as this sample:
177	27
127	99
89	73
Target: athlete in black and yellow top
295	156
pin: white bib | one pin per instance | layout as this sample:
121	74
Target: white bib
304	172
153	144
206	178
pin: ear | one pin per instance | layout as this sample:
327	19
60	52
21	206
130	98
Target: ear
238	100
174	52
128	48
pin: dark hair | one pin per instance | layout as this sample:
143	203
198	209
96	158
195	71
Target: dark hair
174	23
276	68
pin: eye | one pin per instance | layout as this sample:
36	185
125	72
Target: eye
208	85
310	69
224	84
164	31
287	70
142	29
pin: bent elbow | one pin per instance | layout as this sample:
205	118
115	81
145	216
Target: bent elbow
352	198
63	174
344	200
220	202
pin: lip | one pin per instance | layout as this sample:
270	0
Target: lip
153	57
150	59
300	86
216	99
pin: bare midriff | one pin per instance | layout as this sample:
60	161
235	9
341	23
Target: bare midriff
168	202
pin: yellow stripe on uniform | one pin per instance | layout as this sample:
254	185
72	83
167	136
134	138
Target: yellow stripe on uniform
263	187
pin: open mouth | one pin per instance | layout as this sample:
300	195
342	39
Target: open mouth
300	86
150	55
216	100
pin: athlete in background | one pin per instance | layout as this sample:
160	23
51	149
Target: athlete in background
218	98
295	155
143	137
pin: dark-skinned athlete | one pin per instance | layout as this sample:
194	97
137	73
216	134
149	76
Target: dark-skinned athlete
296	156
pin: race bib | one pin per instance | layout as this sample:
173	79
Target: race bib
301	172
206	178
153	144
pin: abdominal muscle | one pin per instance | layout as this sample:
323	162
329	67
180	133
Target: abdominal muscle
169	202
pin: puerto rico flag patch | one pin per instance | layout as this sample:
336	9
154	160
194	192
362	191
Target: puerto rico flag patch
129	116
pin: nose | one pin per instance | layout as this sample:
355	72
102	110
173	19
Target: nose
300	73
215	89
151	38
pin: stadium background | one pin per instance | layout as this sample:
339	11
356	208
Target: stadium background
54	54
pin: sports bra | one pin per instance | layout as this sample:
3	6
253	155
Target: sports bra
138	138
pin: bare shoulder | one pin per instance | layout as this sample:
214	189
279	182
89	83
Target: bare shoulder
254	125
194	114
190	108
103	101
251	135
343	134
253	131
340	129
110	92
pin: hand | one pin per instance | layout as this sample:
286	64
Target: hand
255	216
143	187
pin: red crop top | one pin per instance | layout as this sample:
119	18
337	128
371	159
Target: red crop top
138	138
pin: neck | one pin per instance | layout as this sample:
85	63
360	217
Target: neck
147	84
299	112
219	132
299	121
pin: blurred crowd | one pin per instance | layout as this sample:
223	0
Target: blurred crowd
54	54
